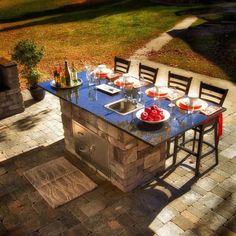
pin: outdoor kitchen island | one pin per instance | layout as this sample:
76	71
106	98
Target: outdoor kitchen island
123	148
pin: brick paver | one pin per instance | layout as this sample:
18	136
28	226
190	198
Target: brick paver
178	204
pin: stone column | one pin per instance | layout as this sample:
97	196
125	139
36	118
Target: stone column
11	100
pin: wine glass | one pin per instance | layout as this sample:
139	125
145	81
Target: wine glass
189	104
88	69
156	94
128	88
140	95
110	77
173	96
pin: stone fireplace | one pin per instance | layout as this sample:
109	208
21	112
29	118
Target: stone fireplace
11	101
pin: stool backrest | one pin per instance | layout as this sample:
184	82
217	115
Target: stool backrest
148	73
179	82
212	93
121	65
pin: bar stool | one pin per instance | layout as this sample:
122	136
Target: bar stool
121	65
148	73
181	83
214	95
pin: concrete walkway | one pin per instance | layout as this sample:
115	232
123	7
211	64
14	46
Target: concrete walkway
157	43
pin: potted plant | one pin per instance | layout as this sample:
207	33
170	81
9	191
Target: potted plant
28	56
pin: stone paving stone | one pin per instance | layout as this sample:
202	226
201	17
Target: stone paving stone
206	183
211	200
232	198
3	171
233	176
230	139
78	229
3	156
231	224
196	212
217	177
183	222
213	220
167	214
114	224
93	207
220	192
190	197
190	216
155	224
221	172
169	229
198	189
55	228
225	209
201	208
202	230
189	233
178	205
229	185
68	219
11	222
3	230
225	232
229	153
44	211
228	167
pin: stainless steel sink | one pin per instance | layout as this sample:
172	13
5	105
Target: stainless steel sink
124	106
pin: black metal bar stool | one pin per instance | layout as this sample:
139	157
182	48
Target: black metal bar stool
181	83
121	65
148	73
214	95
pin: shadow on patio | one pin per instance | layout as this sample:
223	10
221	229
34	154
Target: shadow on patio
105	210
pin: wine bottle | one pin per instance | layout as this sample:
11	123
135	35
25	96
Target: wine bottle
73	72
67	74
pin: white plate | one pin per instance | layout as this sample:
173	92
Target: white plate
196	102
165	113
103	70
132	79
73	84
162	91
108	89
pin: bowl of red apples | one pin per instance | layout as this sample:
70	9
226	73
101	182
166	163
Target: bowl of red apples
153	114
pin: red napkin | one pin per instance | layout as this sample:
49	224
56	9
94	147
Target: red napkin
102	75
114	76
186	107
119	83
220	126
150	93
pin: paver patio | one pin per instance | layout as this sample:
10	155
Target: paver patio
174	204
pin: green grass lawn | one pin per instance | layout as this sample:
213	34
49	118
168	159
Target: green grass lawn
80	33
208	47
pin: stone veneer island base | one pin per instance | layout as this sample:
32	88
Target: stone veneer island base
131	162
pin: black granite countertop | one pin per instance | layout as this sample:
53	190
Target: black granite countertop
93	101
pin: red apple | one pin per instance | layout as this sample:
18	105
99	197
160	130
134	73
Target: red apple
147	109
154	113
144	115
